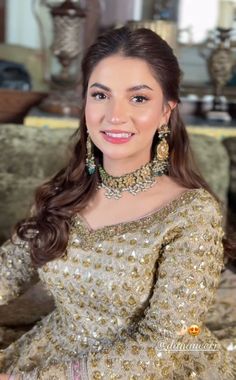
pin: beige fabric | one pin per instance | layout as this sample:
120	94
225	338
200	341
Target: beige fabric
126	296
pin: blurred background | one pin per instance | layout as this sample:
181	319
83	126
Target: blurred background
33	31
187	24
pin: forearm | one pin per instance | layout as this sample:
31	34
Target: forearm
76	370
16	269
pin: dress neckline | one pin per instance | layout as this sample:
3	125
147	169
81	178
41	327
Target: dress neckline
127	225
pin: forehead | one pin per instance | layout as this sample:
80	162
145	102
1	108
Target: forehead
126	71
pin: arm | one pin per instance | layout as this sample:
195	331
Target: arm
16	269
187	277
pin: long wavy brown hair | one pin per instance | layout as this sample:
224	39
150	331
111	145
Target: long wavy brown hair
68	192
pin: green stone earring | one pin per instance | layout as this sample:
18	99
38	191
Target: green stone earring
90	159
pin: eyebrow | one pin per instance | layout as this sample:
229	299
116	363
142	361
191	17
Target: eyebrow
134	88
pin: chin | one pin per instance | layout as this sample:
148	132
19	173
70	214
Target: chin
116	155
115	152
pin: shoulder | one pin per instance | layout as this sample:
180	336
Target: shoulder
199	208
194	210
179	197
194	220
202	200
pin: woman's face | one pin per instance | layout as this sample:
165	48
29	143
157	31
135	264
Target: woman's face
124	108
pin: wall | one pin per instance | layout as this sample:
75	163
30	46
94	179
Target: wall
121	11
21	25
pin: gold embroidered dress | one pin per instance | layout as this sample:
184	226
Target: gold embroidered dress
126	296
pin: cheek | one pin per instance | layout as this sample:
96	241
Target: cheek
149	117
92	114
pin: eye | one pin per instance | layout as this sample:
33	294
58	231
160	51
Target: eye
139	99
98	95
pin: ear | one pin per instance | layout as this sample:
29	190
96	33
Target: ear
167	109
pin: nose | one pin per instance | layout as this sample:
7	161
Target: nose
116	112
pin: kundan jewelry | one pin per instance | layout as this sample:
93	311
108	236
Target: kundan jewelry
142	178
90	159
163	147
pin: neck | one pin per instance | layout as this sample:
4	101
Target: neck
119	167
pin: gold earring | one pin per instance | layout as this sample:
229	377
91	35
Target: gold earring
90	159
162	150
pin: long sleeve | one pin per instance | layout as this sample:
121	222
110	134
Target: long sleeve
63	371
16	269
187	276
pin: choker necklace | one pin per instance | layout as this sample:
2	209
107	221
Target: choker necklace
134	182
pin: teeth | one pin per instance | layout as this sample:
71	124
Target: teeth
118	135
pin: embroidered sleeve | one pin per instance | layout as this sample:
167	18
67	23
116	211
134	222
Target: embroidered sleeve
170	341
64	371
187	277
16	269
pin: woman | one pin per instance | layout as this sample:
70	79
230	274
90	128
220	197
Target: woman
127	238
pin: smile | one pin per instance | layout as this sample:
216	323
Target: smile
118	135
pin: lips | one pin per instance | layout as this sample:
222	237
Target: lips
118	133
120	137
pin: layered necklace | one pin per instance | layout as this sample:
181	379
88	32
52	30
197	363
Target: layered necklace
134	182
